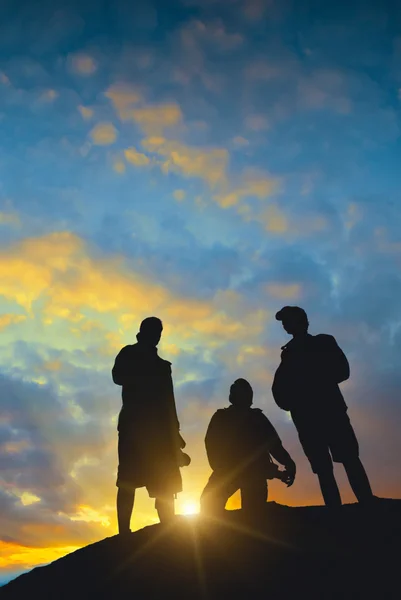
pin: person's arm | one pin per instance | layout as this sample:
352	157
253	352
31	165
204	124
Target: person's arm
120	371
172	407
213	443
279	453
338	364
281	388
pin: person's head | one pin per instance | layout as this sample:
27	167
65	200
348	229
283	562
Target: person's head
241	393
294	320
150	331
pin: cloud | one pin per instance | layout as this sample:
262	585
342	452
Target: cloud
86	112
10	319
82	64
55	277
123	97
240	141
179	195
279	291
257	122
153	120
189	161
103	134
211	33
49	96
138	159
253	185
119	166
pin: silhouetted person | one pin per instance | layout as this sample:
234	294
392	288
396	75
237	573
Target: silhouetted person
149	440
239	442
306	383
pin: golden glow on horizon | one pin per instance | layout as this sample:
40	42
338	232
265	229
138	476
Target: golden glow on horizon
190	507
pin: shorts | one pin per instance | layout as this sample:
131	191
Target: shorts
149	465
331	439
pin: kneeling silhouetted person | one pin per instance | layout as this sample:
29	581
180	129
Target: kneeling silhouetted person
149	440
239	442
306	383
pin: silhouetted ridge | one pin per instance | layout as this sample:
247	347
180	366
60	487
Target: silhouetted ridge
312	552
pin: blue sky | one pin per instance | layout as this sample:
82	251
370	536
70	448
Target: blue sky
208	162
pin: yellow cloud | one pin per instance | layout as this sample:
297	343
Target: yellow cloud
83	64
258	186
189	161
55	277
9	319
282	291
103	134
153	120
138	159
179	195
86	112
27	498
123	97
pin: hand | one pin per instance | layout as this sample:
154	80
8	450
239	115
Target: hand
288	476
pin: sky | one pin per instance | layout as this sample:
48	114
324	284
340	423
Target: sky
206	162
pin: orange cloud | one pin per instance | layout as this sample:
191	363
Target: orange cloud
103	134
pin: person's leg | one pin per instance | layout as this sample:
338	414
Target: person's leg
328	485
165	508
315	440
358	479
254	495
215	495
125	504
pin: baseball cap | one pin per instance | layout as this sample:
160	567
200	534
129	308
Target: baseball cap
291	312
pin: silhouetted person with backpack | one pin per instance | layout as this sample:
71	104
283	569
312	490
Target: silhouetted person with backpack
240	441
149	444
306	383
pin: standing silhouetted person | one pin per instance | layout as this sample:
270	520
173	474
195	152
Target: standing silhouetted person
239	442
306	383
149	440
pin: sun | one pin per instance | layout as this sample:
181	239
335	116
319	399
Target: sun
190	508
